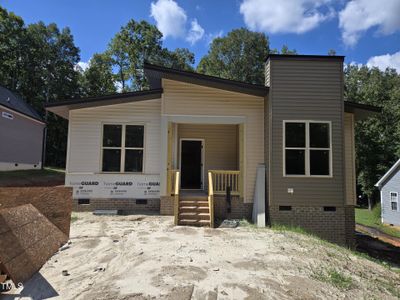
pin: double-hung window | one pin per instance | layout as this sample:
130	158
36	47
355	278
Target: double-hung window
394	200
307	148
123	148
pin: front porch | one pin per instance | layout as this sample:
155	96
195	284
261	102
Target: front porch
205	170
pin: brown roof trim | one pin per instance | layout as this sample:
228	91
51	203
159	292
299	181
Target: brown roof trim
156	72
108	99
305	57
349	105
361	111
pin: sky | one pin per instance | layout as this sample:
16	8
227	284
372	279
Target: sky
365	31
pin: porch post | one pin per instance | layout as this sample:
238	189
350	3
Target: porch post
164	156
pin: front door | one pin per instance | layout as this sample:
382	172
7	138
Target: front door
191	164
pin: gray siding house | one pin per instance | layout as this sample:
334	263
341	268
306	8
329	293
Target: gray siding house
389	186
204	148
21	134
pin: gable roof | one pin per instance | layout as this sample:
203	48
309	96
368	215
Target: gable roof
381	181
61	108
13	102
155	73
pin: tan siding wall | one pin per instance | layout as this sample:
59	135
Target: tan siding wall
189	99
85	131
220	145
349	159
306	90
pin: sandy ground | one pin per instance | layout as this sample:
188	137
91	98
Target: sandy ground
146	257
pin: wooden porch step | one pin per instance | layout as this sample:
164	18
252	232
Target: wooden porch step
194	209
198	203
194	216
191	222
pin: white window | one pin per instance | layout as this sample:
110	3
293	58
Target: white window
307	148
123	148
394	200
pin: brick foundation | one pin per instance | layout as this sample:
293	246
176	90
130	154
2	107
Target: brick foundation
239	210
334	226
167	205
126	205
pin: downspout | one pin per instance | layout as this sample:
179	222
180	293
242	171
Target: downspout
44	145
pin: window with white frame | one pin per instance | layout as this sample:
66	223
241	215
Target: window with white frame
394	200
307	148
123	148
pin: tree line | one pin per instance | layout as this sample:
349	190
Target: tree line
40	62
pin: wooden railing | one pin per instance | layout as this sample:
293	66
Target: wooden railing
175	191
211	198
223	179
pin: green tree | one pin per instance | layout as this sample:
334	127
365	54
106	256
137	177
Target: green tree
98	78
377	139
38	63
239	56
13	48
136	43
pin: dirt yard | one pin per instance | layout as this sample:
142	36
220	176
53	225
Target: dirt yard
146	257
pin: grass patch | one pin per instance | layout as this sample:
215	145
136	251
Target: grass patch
29	173
74	218
372	218
39	177
334	278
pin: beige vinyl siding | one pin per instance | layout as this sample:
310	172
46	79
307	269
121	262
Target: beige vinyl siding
306	90
220	145
349	159
188	99
85	134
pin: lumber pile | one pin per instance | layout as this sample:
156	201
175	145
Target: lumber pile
27	240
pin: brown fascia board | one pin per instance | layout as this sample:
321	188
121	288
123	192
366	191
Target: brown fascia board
361	111
305	57
108	99
156	72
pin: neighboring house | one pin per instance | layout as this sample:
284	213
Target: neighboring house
140	151
21	134
389	186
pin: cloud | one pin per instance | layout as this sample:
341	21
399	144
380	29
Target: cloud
118	86
195	33
82	66
170	18
211	36
289	16
360	15
385	61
